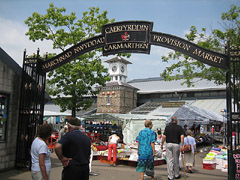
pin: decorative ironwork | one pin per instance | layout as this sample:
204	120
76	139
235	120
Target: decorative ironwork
233	111
31	107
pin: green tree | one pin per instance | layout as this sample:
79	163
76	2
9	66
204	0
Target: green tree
78	78
190	68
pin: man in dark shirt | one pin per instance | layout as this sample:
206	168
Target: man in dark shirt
173	135
74	150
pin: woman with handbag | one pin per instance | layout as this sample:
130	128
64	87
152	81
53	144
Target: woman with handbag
146	150
189	156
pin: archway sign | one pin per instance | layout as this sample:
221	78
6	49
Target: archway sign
134	37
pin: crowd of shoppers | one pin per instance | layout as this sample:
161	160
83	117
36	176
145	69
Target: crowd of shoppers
74	150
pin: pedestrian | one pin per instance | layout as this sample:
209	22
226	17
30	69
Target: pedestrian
146	149
40	154
113	141
62	132
173	135
185	129
202	129
74	150
160	133
189	157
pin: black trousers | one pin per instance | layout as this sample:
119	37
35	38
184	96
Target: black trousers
76	172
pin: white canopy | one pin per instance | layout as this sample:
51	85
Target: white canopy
194	114
134	123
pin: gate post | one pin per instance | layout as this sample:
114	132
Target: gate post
31	106
229	112
233	111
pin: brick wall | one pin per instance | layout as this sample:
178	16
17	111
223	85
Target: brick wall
10	84
122	99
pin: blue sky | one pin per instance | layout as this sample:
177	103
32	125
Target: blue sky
169	16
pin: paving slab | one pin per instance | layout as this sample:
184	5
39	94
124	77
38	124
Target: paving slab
121	172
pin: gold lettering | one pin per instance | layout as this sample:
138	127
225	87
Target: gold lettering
129	45
129	27
172	42
208	56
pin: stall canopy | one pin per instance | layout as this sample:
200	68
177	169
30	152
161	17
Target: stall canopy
134	123
192	114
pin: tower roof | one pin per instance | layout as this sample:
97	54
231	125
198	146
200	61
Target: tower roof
118	59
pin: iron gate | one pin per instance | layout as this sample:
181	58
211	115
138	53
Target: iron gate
233	112
31	107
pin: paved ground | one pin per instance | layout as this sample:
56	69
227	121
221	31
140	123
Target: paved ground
121	172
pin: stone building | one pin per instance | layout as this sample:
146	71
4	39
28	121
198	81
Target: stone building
10	84
117	96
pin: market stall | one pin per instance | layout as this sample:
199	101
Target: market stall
216	158
127	126
126	154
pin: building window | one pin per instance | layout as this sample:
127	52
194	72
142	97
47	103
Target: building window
108	99
190	94
4	99
116	78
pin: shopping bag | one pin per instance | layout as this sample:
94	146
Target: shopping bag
148	171
187	148
158	153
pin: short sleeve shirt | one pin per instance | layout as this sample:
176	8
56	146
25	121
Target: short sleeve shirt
173	133
76	145
39	147
145	138
190	140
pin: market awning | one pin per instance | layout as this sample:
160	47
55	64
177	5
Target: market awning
193	113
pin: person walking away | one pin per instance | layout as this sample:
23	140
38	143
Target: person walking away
146	149
74	150
189	157
40	154
113	141
173	135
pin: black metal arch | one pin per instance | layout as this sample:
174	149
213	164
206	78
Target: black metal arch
135	37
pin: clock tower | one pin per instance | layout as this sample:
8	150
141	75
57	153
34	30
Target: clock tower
117	96
118	69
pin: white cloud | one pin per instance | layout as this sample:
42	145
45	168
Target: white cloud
14	41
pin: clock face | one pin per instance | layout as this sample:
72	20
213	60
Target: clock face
114	68
122	69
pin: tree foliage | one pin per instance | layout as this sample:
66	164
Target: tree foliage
188	67
78	78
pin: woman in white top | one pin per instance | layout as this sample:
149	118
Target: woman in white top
112	148
189	157
40	154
